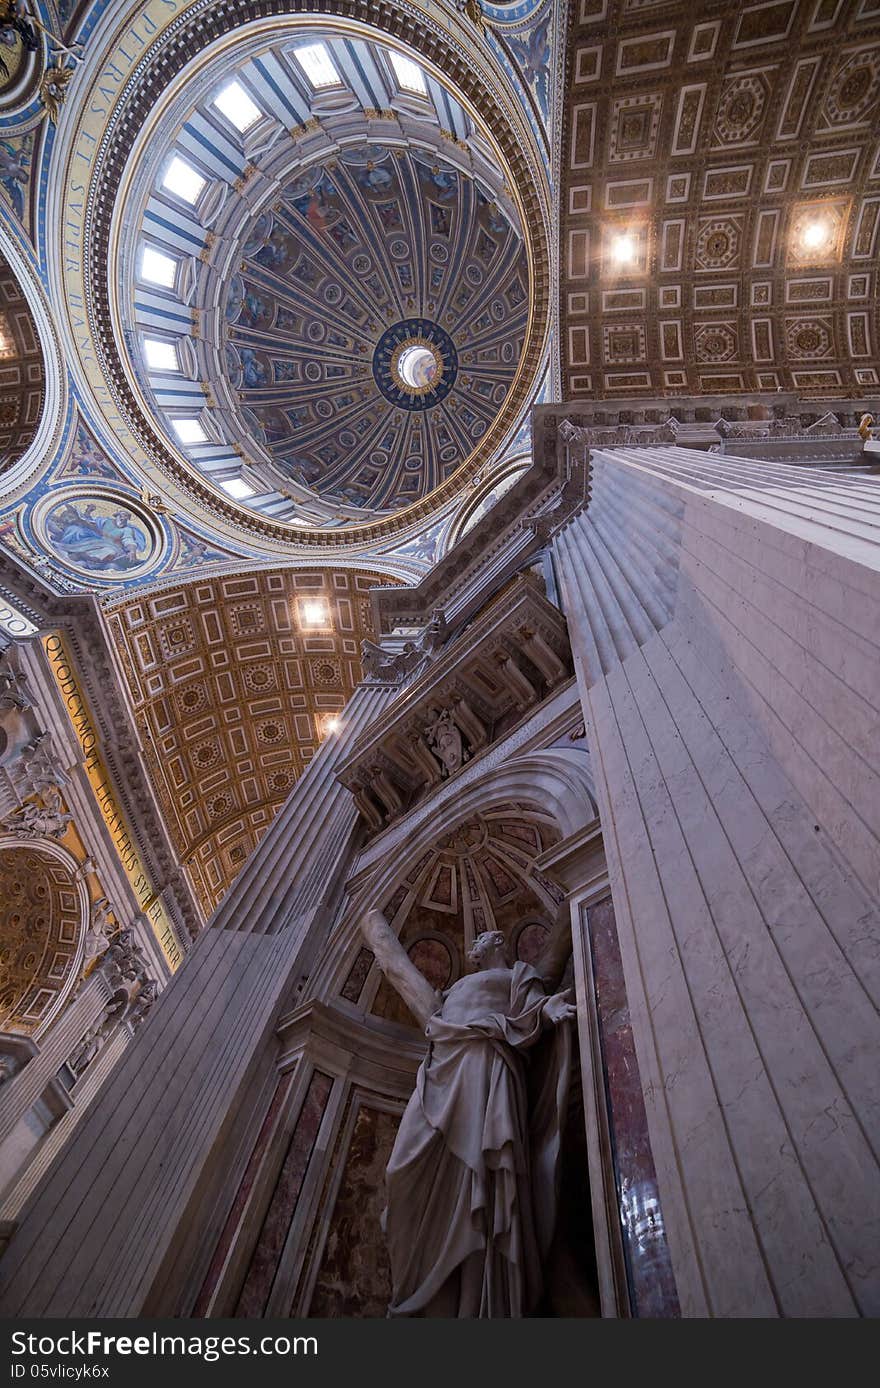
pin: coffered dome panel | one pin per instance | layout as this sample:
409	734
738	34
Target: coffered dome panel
41	927
234	683
366	265
22	370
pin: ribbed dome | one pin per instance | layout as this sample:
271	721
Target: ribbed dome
325	280
375	325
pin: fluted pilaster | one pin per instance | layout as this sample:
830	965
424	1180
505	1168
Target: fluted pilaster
725	620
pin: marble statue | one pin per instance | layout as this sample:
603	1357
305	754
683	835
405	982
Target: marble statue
445	740
471	1182
101	927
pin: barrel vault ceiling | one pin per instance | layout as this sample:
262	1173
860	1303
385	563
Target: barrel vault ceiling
735	150
234	683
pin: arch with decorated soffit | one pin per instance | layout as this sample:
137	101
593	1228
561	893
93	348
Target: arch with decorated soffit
44	913
477	863
43	372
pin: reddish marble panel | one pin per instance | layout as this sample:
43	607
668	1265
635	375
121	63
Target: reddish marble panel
351	989
433	960
267	1254
355	1279
649	1268
234	1217
530	941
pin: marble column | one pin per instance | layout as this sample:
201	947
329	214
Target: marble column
120	1225
725	621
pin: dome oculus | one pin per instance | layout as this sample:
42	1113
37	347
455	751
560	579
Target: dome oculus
417	367
415	364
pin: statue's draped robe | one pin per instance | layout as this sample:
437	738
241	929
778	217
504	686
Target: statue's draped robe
471	1183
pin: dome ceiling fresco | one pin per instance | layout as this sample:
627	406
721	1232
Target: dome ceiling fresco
375	325
321	275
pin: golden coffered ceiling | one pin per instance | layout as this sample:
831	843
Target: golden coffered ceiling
22	372
720	140
231	691
40	926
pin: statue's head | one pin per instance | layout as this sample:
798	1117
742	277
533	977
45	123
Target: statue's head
487	951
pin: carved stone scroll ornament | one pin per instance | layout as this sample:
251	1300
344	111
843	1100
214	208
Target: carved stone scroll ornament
133	993
100	930
389	667
445	740
15	692
9	1066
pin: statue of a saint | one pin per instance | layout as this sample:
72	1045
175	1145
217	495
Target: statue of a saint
100	929
471	1183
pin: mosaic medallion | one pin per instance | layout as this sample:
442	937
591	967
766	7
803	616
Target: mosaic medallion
99	533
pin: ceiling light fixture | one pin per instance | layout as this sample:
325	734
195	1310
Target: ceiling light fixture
815	235
313	612
623	249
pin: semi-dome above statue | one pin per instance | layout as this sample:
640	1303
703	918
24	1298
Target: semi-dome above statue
321	269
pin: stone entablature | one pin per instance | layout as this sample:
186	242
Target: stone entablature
506	661
722	423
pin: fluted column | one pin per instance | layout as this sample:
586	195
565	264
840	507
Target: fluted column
22	1090
60	1131
725	621
124	1214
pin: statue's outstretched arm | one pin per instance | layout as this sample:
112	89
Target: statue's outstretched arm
398	968
553	958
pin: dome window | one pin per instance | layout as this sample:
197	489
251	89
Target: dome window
158	268
233	102
318	66
408	74
189	431
160	356
417	367
237	488
183	180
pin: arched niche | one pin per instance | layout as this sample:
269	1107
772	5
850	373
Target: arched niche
545	796
480	875
33	391
468	865
43	914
